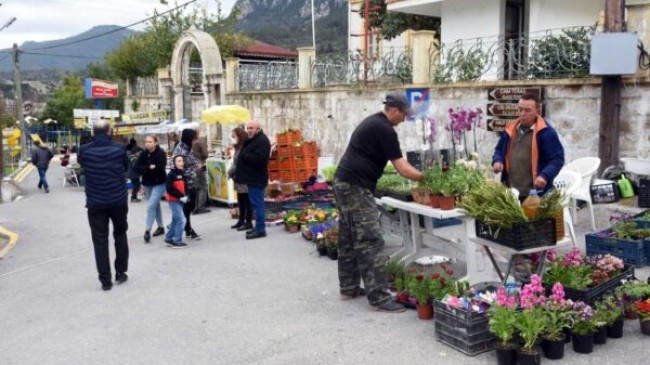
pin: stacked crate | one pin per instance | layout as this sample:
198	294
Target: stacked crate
294	160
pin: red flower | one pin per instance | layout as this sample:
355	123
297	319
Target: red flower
450	272
443	266
442	282
419	277
435	276
445	168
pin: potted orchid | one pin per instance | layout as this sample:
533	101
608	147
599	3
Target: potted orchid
461	121
558	318
503	318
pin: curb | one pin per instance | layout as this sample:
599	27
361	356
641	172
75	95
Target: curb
11	236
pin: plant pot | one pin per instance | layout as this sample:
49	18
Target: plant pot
616	329
600	337
645	327
434	201
402	297
333	254
294	228
447	202
506	354
630	313
533	357
583	344
567	335
322	250
554	349
425	311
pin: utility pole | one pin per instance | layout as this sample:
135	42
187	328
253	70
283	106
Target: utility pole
610	95
19	104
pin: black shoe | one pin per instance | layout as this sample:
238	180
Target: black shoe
158	232
106	287
47	190
237	225
40	186
169	242
135	200
147	236
247	228
193	235
389	307
255	234
358	293
121	277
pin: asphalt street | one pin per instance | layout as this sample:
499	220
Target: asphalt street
223	300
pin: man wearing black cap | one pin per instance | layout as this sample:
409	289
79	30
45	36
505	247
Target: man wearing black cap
374	142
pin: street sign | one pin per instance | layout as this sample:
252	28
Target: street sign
497	125
507	109
513	93
419	101
101	89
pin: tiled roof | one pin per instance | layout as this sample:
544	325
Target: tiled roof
264	50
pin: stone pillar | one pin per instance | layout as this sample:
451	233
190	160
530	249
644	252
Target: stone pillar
638	16
424	42
306	56
232	66
178	102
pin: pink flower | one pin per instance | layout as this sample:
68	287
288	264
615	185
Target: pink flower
454	302
504	300
558	293
533	293
573	258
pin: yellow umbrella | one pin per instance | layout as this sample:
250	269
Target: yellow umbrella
225	114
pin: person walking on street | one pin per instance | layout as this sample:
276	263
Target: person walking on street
373	143
252	170
184	148
152	165
105	165
133	173
201	155
41	157
175	195
529	154
245	222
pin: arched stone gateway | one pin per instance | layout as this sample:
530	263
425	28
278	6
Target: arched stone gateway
212	81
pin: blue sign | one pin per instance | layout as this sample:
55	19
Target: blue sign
419	100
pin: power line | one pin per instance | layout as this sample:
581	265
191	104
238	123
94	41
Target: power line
60	55
114	30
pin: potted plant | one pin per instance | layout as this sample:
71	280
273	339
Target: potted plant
292	223
558	315
531	321
612	311
630	292
642	308
321	244
401	285
503	318
421	288
584	327
332	249
432	181
394	270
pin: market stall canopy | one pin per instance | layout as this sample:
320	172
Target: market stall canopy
167	127
225	114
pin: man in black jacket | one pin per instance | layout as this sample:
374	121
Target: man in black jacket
105	164
252	170
41	156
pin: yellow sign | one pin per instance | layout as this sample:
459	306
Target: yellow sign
140	116
80	123
35	137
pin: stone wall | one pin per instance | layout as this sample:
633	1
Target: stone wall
572	107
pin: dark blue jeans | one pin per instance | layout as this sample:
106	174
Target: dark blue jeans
256	196
41	174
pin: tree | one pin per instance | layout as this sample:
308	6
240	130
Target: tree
66	98
392	24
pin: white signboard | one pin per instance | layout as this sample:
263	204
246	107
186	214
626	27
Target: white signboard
95	113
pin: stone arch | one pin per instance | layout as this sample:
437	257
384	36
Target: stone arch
212	84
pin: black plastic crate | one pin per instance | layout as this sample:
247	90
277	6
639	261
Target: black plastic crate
461	334
464	323
522	236
469	349
644	193
592	295
632	252
605	193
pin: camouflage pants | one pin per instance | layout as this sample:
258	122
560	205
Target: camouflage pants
360	243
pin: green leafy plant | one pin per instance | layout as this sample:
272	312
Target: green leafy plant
550	205
574	277
421	289
395	270
609	310
531	323
493	204
328	173
502	323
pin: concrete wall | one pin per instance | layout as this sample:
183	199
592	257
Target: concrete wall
356	30
330	116
467	19
553	14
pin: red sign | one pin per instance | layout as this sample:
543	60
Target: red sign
101	89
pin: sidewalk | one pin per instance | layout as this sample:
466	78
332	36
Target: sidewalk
224	300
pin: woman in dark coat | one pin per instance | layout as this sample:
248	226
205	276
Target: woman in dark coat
152	165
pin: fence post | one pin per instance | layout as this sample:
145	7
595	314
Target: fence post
422	63
306	55
232	65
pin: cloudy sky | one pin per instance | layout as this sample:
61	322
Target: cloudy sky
41	20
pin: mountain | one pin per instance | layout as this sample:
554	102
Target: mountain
287	23
68	54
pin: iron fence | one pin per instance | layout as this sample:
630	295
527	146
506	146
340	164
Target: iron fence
267	75
143	86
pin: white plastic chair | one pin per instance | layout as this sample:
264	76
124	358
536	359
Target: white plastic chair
568	182
586	167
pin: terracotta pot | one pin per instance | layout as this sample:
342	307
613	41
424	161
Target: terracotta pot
416	195
425	311
434	201
447	202
294	228
645	327
402	297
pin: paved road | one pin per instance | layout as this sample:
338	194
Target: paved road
224	300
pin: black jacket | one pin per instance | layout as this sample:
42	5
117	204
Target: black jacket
105	165
253	162
156	176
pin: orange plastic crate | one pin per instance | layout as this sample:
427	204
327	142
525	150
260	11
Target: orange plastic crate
274	175
286	163
287	176
274	163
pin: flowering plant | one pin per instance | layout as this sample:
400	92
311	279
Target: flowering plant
642	308
532	320
570	270
558	313
609	310
606	267
421	288
503	317
584	322
460	122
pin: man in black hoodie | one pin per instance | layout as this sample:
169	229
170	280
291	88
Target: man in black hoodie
252	170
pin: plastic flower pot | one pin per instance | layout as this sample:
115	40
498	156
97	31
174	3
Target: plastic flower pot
506	354
530	357
447	202
554	349
645	326
616	329
600	337
583	344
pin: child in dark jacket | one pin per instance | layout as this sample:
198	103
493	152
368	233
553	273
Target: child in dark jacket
176	197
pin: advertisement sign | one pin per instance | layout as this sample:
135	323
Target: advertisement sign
220	188
139	117
101	89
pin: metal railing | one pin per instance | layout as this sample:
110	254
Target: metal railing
267	75
143	86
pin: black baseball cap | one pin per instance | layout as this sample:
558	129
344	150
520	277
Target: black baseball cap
399	101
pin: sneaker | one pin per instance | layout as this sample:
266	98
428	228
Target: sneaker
158	232
359	293
169	242
389	307
179	245
121	277
147	236
193	235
